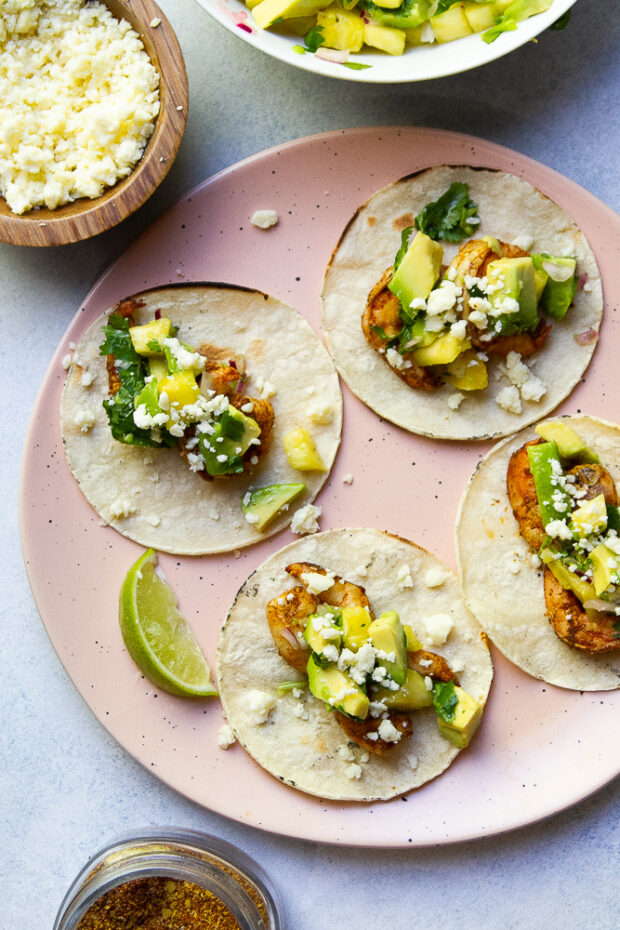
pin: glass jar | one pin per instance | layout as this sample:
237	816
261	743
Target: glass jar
179	854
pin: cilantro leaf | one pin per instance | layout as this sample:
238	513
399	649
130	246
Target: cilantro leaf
314	39
502	25
118	341
355	65
448	217
404	245
445	700
444	5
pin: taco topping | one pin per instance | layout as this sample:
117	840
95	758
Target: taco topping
164	393
566	504
372	672
437	324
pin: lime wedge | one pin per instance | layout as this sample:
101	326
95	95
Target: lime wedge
157	637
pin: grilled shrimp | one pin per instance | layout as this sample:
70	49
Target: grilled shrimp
523	499
566	613
471	259
383	311
429	663
595	480
525	344
358	730
572	623
341	594
286	616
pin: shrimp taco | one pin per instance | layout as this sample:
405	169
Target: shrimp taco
350	668
193	417
462	303
538	538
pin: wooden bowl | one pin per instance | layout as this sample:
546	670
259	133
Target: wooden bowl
87	217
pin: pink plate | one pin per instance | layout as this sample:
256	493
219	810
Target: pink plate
402	483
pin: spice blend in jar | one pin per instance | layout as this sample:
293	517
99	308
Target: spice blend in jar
158	903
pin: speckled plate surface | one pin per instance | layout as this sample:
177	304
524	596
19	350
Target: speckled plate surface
540	748
417	64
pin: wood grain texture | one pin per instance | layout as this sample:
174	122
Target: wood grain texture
85	217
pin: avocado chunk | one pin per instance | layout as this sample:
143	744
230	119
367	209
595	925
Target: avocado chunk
406	15
337	689
264	503
355	624
149	396
158	367
570	444
232	436
387	635
466	718
605	565
444	350
583	590
412	695
324	630
544	460
512	291
418	271
560	286
154	331
267	11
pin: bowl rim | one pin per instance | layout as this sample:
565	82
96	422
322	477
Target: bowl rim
83	218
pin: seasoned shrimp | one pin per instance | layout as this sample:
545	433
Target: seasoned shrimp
383	313
287	615
472	257
358	730
523	498
525	344
567	615
571	621
429	663
341	594
595	480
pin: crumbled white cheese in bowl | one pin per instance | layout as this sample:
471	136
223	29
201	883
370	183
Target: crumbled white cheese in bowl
79	98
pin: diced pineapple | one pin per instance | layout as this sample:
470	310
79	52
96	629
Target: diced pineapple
180	387
301	451
468	373
420	35
267	11
389	4
481	15
453	24
591	516
156	330
252	3
341	29
388	40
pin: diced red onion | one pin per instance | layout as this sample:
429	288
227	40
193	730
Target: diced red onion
582	280
290	637
244	27
597	604
332	54
158	314
586	338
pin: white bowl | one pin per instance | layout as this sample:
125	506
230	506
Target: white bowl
417	64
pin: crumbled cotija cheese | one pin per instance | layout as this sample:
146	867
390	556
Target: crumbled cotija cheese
78	101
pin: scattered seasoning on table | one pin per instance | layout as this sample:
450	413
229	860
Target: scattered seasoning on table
156	903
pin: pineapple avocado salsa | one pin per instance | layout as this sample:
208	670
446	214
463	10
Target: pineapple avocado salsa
538	538
462	303
190	426
390	26
361	680
431	322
